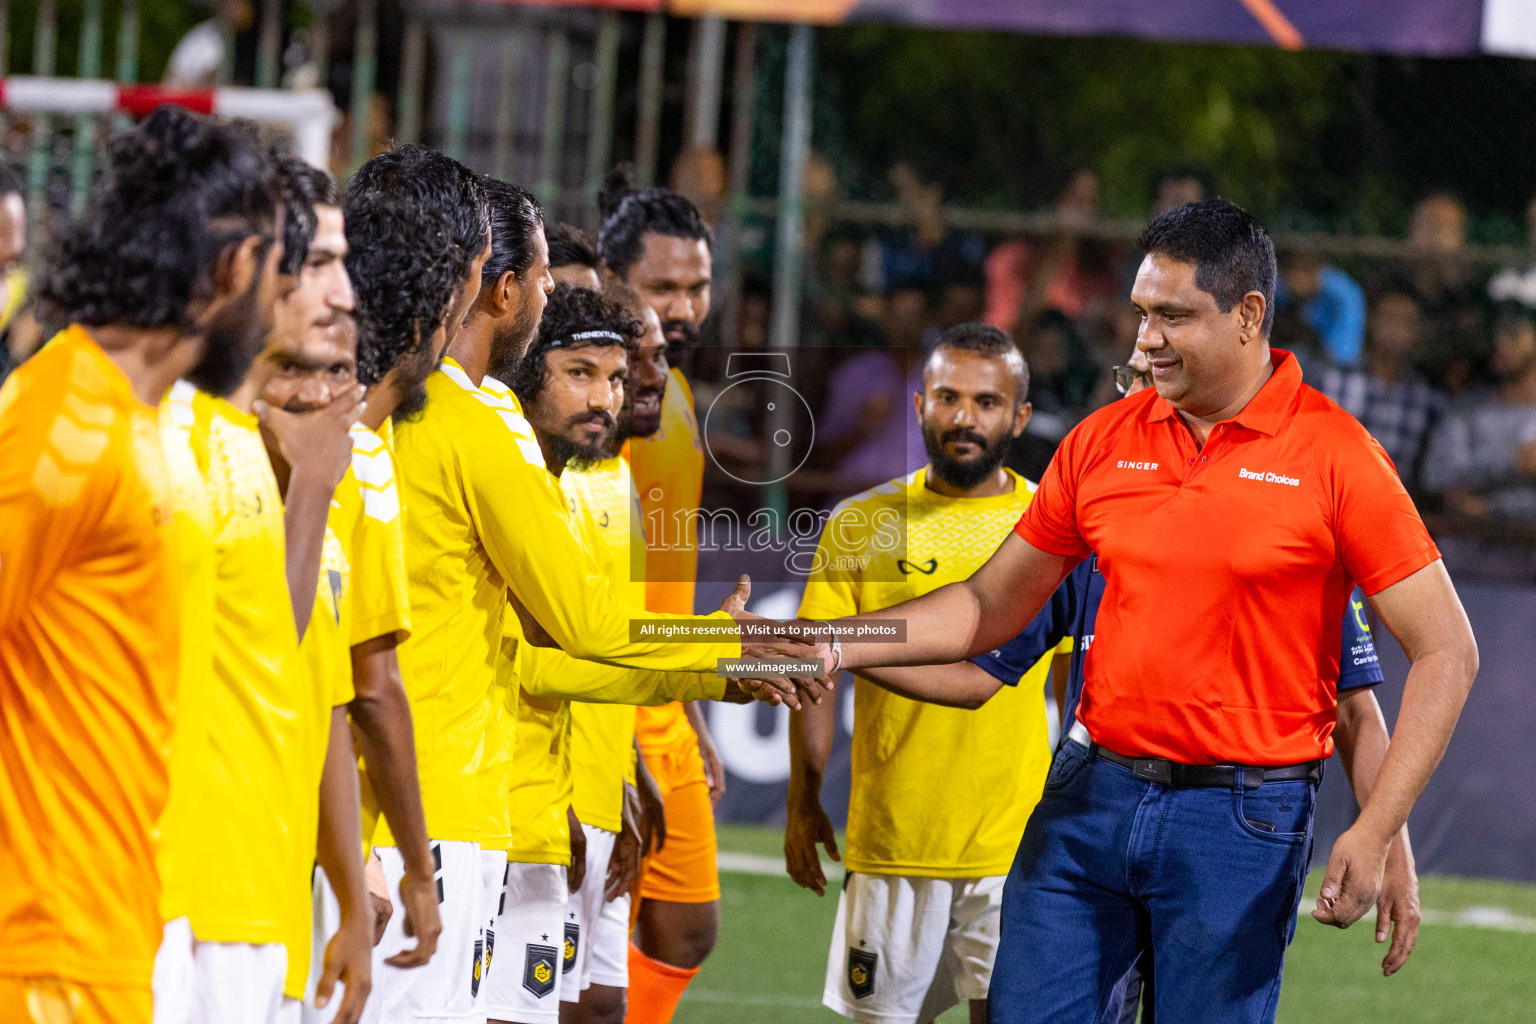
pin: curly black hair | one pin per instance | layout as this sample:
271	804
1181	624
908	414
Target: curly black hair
405	268
570	313
629	214
178	191
515	217
303	187
428	180
569	246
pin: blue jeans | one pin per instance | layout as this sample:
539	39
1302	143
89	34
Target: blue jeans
1110	866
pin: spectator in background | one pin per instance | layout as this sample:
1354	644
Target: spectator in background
1518	284
1330	302
1064	273
13	274
1483	455
1446	288
926	250
868	428
699	176
199	56
1388	395
1181	184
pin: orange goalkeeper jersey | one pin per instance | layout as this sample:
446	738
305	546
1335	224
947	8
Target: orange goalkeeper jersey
668	468
89	628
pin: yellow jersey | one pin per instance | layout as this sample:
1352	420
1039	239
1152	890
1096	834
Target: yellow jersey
936	792
668	470
179	843
251	804
602	500
89	617
540	789
326	652
380	604
486	517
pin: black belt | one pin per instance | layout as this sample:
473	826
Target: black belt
1215	776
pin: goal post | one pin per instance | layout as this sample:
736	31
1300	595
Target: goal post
309	114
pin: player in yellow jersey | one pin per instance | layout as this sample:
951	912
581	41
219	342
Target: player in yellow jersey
940	795
173	271
406	271
253	810
655	242
418	237
571	383
485	521
314	362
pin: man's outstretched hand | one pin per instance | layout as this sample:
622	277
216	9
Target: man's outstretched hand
770	640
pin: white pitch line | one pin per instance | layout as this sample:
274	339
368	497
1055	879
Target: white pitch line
757	864
1499	919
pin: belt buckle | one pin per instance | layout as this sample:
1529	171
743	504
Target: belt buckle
1154	770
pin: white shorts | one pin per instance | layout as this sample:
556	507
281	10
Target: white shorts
174	981
240	983
493	883
598	930
443	989
904	950
524	980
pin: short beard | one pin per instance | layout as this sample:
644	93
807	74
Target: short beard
579	454
508	345
232	342
964	474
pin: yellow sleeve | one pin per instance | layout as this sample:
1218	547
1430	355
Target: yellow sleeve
552	673
524	522
381	604
832	589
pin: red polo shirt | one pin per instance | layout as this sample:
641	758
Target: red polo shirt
1226	567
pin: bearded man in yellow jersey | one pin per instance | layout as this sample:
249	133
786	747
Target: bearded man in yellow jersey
570	754
940	794
172	272
655	242
359	598
253	810
486	524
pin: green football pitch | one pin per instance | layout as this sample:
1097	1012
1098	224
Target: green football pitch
1473	965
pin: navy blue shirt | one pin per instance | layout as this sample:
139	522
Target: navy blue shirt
1074	607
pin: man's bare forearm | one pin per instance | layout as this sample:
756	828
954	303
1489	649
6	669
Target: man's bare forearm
960	684
964	619
810	744
340	842
1433	697
1362	740
381	712
305	509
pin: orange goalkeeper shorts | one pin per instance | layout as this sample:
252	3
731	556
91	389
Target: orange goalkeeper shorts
685	869
52	1001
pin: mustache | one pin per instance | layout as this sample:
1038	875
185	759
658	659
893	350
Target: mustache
963	434
600	417
686	328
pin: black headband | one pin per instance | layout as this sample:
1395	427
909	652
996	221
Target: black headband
617	339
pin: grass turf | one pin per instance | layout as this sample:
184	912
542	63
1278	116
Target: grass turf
771	958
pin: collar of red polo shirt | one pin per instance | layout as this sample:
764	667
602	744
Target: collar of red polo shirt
1226	568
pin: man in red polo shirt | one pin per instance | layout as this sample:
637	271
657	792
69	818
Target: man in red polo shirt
1233	508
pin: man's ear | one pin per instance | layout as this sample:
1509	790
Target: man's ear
238	266
1250	316
1021	417
505	296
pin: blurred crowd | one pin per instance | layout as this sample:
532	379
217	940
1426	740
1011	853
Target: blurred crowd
1434	354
